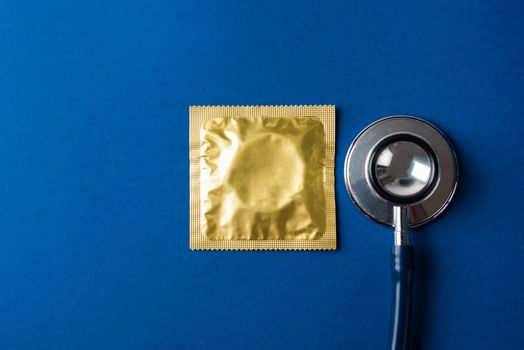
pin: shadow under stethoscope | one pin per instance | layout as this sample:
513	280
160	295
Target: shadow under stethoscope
424	288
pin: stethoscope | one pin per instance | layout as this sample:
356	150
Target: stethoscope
401	171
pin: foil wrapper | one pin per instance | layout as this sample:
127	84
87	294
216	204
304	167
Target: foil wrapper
262	177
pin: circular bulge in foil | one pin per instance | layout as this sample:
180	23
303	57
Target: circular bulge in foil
267	173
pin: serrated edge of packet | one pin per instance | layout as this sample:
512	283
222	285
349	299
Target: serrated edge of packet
265	249
222	106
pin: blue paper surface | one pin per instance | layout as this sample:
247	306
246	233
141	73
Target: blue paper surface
94	181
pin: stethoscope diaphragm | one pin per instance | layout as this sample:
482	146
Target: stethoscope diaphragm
401	160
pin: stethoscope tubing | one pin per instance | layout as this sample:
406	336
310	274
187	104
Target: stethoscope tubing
403	268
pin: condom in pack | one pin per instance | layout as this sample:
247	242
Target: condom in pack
262	177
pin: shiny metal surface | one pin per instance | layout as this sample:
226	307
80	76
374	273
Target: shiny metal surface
426	196
401	223
403	169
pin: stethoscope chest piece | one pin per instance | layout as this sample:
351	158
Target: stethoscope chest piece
401	161
401	171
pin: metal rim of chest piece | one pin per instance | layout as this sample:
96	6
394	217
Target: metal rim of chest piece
358	174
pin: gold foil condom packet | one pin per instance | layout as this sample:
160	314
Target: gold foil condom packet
262	177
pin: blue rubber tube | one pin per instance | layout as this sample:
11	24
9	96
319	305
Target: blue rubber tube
402	273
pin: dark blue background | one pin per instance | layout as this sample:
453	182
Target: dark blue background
94	229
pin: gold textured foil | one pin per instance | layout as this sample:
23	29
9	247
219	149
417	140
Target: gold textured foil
262	177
